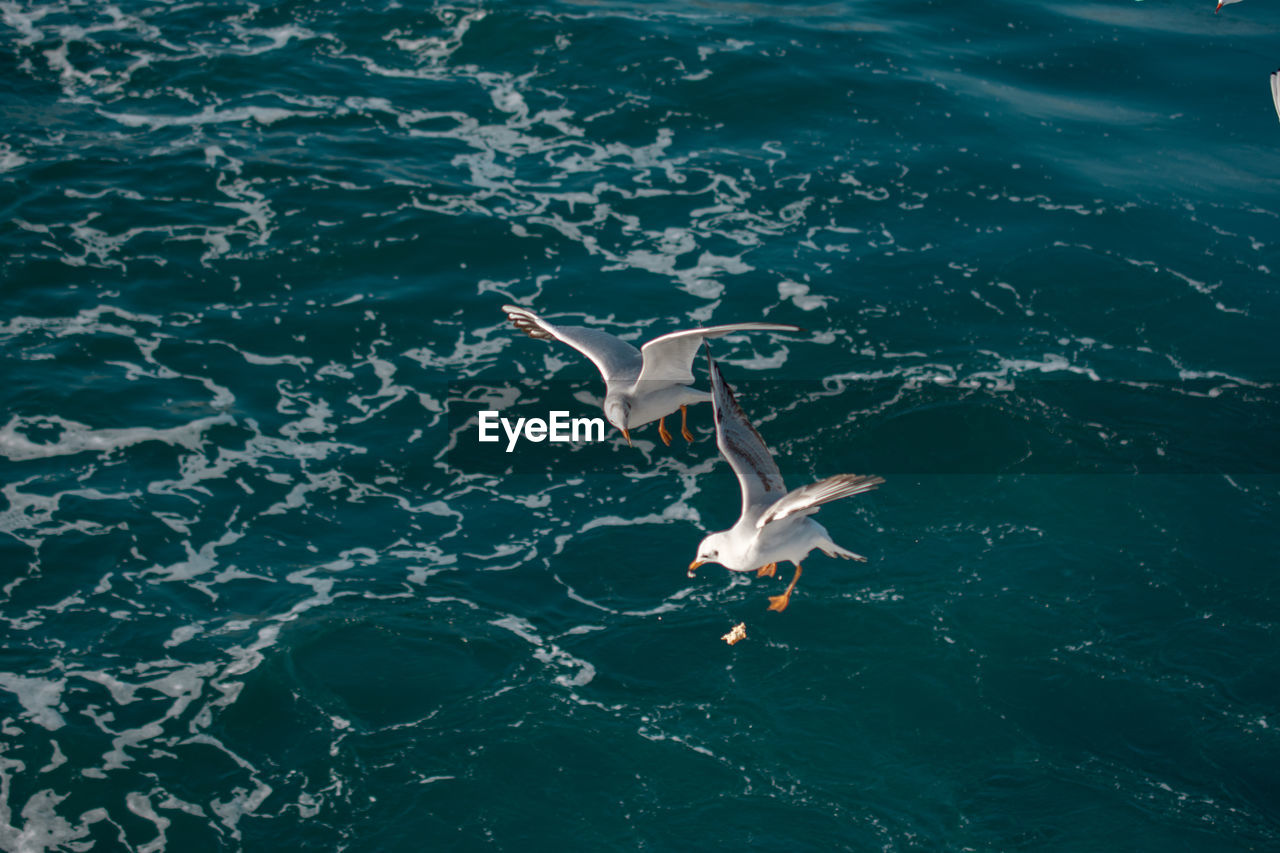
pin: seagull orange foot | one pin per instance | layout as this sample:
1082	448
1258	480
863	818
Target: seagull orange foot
780	602
767	571
663	433
684	424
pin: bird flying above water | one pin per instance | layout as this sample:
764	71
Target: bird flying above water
774	525
641	385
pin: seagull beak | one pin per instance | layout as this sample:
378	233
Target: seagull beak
627	436
695	564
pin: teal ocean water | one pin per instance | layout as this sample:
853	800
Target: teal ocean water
261	589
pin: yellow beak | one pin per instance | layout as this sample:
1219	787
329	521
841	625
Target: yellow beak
695	564
627	436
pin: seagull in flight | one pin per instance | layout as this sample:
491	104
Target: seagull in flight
641	385
775	524
1222	3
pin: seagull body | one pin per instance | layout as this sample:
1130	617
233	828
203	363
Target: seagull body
641	385
775	525
1222	3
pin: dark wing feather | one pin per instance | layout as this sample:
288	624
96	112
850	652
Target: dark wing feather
742	447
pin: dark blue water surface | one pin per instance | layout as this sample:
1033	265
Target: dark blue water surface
261	589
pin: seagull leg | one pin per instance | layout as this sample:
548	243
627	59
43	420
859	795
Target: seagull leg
662	431
779	602
767	571
684	424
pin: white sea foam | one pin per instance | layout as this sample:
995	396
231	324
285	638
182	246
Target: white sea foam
32	517
140	804
1008	368
56	760
549	653
276	38
208	115
10	159
80	438
41	698
197	563
43	828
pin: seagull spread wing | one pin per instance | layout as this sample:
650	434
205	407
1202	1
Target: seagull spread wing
1275	90
613	357
669	358
740	445
807	499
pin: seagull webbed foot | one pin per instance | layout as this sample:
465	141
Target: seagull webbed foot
684	424
767	571
779	602
663	433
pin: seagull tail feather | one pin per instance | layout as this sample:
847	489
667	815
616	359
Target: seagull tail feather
831	549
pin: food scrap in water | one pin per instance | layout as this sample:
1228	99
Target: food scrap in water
736	633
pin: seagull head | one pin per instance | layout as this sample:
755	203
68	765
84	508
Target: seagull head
618	412
709	551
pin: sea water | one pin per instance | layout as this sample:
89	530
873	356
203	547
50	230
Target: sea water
262	589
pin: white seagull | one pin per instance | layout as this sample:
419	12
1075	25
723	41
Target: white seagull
641	385
774	525
1222	3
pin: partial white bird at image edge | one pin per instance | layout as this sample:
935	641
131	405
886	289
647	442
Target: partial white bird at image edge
1275	91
